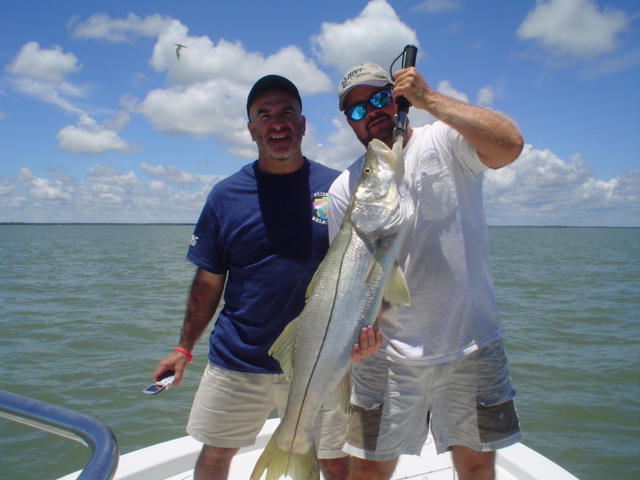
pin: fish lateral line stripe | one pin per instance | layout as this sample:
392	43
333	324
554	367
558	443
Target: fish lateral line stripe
324	338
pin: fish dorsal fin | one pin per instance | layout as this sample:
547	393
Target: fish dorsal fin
282	348
397	291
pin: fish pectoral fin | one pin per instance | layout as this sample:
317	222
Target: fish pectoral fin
282	348
374	266
312	283
397	291
280	463
344	392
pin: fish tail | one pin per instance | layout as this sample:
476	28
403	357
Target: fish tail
280	463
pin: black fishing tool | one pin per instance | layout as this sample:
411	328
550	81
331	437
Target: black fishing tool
408	55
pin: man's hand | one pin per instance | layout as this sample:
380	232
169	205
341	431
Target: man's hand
495	137
411	85
175	361
369	342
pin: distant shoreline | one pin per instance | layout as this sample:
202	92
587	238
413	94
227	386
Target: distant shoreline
193	224
93	223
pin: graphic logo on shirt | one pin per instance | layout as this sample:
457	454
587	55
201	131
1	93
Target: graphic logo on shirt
194	240
320	207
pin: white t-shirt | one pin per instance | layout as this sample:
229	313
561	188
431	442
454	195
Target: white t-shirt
445	255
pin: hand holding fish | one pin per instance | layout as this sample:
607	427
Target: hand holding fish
369	342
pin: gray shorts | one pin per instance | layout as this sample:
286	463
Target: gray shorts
468	401
230	408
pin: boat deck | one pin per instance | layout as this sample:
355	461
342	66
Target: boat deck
174	460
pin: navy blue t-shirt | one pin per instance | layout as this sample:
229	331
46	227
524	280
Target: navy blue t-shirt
268	232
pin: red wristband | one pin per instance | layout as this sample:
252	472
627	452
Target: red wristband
185	351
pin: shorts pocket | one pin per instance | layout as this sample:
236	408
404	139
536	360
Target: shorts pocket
370	377
364	427
493	381
370	380
497	422
496	413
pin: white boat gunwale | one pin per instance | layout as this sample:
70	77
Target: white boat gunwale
174	460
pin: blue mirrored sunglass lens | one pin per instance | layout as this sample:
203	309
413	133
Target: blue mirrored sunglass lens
357	111
378	100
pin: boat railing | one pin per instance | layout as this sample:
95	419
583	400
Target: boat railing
70	424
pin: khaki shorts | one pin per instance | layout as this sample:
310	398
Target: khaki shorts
230	408
468	400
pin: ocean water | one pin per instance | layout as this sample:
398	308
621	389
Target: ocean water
87	311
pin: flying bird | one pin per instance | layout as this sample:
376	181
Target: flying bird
179	46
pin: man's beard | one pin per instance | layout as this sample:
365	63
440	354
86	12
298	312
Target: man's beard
385	135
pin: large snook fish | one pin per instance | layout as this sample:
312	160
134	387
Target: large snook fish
343	297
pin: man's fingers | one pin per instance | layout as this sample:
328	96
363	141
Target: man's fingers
369	341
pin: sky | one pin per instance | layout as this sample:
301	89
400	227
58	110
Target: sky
101	122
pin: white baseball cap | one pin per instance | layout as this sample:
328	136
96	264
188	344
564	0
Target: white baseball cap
363	74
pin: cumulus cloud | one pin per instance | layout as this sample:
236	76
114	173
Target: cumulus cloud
211	108
486	96
437	6
205	61
170	174
103	27
108	175
574	28
376	35
204	95
90	138
541	189
206	91
41	189
209	86
40	73
446	88
105	194
340	150
50	65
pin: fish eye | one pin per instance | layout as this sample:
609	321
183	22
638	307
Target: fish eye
367	170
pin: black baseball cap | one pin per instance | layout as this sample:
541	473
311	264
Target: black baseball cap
272	82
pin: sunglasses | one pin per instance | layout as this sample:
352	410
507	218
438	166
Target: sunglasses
359	110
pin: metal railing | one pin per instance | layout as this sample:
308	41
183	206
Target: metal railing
67	423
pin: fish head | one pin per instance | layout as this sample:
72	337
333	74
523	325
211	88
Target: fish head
379	206
376	176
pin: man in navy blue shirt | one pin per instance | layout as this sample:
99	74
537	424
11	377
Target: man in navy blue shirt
260	237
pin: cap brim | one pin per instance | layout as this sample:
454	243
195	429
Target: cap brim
370	83
272	82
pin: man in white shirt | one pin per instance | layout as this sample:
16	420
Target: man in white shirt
442	364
